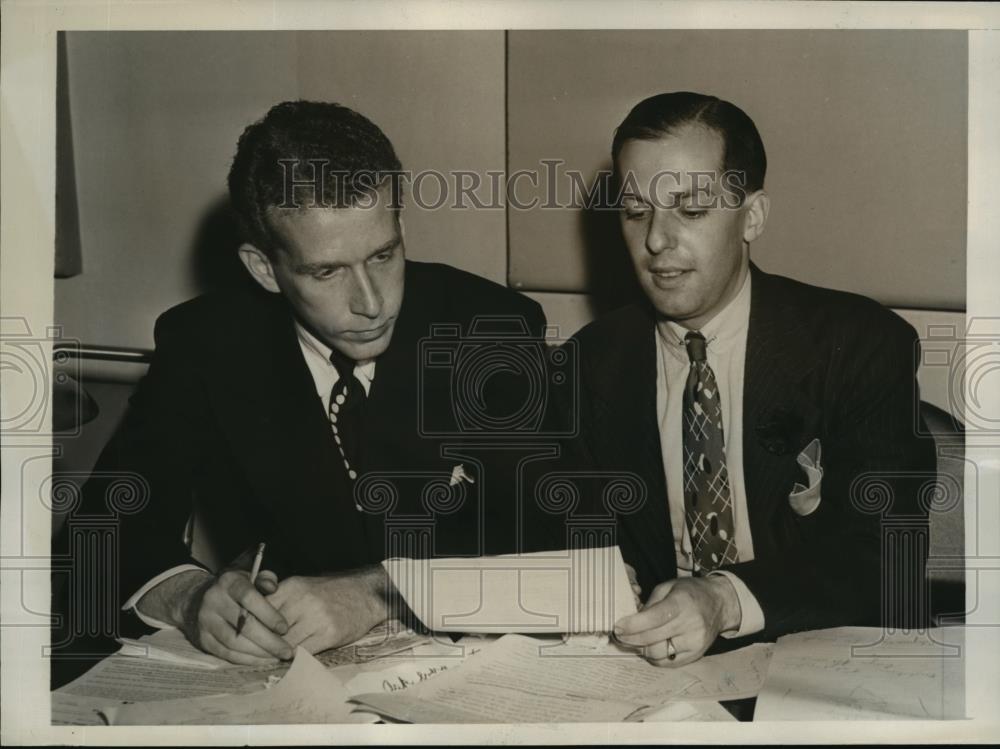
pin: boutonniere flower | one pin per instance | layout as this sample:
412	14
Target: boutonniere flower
779	431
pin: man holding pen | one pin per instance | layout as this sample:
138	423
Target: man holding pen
266	407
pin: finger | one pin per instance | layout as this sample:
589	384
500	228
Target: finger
651	617
225	633
247	596
266	582
264	638
298	633
657	653
660	592
216	648
672	629
313	644
686	650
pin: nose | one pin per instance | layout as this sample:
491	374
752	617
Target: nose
366	300
662	234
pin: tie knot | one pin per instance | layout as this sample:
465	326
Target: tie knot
695	343
343	364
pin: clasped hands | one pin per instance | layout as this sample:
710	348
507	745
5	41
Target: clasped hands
681	618
315	613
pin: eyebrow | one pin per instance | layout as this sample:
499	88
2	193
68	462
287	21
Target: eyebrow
673	195
314	267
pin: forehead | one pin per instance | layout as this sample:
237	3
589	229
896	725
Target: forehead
693	148
341	235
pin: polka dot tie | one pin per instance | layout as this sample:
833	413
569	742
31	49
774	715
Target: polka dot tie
708	501
347	402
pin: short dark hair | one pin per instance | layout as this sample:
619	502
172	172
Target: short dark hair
664	114
347	144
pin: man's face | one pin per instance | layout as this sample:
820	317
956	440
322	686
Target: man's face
686	245
341	269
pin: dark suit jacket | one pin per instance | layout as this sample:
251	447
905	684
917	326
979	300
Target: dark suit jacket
228	415
819	363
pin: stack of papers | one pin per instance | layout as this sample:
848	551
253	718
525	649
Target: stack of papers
521	679
308	693
165	667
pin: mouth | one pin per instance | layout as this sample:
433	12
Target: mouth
666	277
366	336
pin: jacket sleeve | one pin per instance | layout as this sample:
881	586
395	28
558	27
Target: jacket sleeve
143	480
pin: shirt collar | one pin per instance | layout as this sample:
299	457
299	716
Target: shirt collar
721	332
363	370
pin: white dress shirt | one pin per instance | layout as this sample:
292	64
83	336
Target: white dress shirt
726	345
325	375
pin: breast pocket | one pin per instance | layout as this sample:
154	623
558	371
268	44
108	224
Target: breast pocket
804	499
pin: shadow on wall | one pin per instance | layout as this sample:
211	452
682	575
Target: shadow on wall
215	263
611	281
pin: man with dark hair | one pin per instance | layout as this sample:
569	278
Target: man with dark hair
267	407
758	410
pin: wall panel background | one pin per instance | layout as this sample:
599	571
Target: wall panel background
865	133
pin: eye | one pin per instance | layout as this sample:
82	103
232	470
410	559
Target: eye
635	213
324	274
384	256
693	213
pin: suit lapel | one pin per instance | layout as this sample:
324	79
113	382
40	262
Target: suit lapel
625	395
286	443
775	410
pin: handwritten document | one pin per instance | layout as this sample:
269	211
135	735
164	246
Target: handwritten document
729	676
139	680
859	673
520	679
578	590
308	693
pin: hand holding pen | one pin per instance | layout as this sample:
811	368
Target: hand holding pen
254	571
234	600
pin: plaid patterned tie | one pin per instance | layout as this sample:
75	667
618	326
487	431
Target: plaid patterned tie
347	403
707	500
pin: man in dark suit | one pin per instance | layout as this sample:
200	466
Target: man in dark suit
269	407
764	415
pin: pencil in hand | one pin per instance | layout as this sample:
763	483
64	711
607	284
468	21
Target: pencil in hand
254	571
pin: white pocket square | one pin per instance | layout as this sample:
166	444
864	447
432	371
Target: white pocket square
458	475
805	499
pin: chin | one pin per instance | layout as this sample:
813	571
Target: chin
672	308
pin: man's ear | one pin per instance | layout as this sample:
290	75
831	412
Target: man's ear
757	207
258	264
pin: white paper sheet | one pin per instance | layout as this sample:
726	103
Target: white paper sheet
695	712
729	676
74	710
307	694
857	673
139	680
579	590
524	680
171	646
